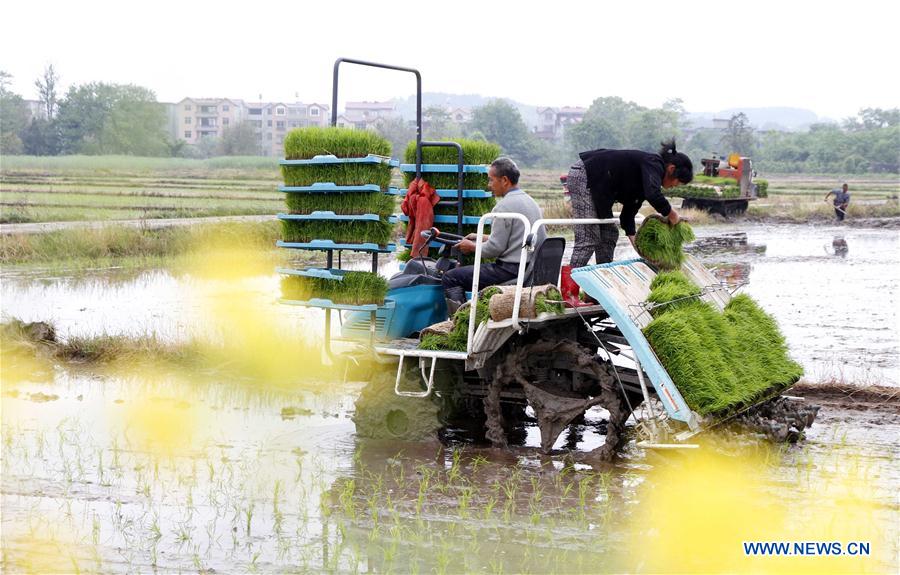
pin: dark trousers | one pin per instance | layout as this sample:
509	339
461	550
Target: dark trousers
839	214
491	274
591	240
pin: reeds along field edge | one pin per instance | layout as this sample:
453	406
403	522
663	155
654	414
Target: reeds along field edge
342	232
306	143
356	288
345	174
660	243
351	203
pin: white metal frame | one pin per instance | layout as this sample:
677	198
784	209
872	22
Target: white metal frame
530	230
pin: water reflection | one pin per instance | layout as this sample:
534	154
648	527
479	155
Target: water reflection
839	246
726	243
791	270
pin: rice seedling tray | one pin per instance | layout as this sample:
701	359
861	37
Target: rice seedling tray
344	287
331	188
332	159
447	194
621	287
328	304
321	273
343	203
330	245
444	168
448	219
331	216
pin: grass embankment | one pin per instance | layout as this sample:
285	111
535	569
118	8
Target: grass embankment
720	361
131	246
247	349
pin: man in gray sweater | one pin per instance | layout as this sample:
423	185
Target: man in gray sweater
505	241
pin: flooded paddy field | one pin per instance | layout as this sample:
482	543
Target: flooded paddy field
142	467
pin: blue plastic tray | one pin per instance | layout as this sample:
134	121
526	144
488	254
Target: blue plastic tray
445	168
447	194
321	273
329	188
318	216
448	219
328	304
331	159
330	245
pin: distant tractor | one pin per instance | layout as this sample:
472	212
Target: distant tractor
722	189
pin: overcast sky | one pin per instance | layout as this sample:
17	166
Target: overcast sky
830	57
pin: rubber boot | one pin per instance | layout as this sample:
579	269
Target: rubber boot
569	289
455	297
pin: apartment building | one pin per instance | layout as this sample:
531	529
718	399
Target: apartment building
271	121
198	118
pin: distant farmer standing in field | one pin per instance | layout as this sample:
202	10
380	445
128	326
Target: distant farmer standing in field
841	201
603	177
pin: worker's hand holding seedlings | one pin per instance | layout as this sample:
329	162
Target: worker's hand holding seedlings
603	177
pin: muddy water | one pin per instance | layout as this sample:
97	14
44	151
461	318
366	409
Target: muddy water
105	471
174	473
835	292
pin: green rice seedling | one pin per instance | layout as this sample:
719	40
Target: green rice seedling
670	289
693	191
550	302
342	232
474	153
345	174
456	339
660	243
356	288
306	143
722	361
352	203
471	207
762	188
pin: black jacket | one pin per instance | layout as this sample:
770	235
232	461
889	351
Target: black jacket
628	177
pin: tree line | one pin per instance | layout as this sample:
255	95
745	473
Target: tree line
101	118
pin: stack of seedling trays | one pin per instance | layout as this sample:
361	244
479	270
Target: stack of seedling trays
440	168
335	183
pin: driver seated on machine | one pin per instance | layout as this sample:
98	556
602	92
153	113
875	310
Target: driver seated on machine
504	242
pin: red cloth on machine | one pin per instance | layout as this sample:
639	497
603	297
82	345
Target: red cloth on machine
419	206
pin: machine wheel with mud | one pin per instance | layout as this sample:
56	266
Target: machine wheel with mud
561	380
382	414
